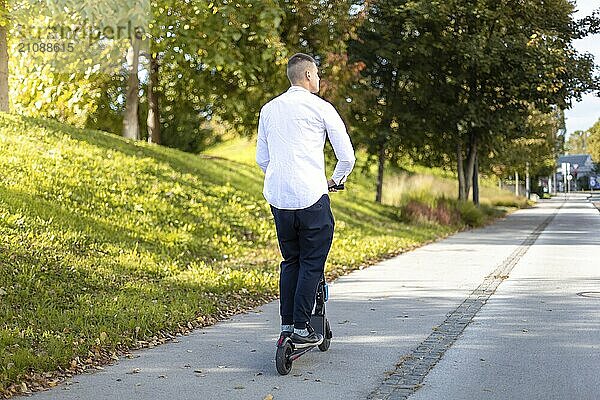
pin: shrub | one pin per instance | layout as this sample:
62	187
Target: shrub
470	214
439	211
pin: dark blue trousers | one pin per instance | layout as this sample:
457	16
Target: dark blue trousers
305	238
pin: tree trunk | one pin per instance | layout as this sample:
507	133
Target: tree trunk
527	182
470	167
131	128
461	173
153	109
516	183
4	105
381	156
476	182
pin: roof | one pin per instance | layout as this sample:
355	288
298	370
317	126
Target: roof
583	161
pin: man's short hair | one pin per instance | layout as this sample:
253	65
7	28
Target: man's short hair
297	66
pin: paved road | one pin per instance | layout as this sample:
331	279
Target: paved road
538	337
384	316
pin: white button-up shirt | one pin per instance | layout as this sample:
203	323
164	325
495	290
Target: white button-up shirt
291	138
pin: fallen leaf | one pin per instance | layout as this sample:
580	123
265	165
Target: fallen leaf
268	397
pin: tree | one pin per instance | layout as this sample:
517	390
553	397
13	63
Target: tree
594	141
153	121
589	25
533	152
577	142
131	128
486	63
217	61
389	109
68	84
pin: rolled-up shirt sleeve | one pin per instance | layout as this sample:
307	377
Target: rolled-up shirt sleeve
262	148
340	141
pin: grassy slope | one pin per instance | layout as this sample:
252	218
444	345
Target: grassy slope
108	244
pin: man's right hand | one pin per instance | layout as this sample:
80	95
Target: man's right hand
333	187
330	185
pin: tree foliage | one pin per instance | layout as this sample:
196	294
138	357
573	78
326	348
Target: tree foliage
445	82
538	146
577	143
472	69
594	141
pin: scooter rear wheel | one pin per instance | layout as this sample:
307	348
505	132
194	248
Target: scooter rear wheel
324	346
282	358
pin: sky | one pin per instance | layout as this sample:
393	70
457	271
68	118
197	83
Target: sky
585	113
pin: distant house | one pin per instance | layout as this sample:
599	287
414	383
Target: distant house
581	169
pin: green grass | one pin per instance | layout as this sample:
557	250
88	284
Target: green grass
109	244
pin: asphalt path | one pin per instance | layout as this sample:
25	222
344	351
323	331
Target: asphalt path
538	337
534	333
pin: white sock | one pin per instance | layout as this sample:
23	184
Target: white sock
287	328
301	332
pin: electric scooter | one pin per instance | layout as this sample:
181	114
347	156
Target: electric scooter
286	352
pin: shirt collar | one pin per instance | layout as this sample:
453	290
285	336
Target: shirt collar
295	88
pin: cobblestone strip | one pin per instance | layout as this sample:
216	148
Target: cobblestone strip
411	370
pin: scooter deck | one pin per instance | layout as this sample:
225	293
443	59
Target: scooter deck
295	352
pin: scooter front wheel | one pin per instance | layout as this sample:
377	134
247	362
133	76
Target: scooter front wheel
283	360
